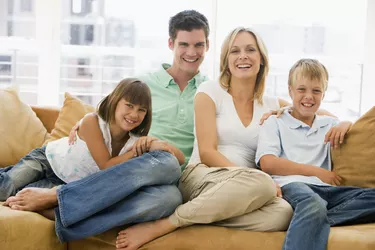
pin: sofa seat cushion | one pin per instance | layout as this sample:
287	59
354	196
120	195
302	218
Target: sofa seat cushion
359	237
27	230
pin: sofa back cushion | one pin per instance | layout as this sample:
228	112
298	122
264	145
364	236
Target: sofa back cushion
72	111
355	159
20	129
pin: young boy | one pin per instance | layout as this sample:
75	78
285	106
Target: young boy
295	150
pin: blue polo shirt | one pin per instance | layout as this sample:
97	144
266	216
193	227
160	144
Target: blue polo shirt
289	138
173	109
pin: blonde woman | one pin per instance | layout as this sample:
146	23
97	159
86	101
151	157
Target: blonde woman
221	184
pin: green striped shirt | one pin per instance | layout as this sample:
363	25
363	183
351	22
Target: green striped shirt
173	110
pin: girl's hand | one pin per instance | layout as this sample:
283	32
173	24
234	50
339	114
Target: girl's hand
142	145
72	134
329	177
337	133
278	113
160	145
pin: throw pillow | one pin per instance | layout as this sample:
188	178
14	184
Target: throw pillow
355	159
20	130
72	111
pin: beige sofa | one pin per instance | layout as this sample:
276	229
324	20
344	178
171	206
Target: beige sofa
27	230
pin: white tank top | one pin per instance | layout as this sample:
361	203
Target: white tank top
235	141
74	162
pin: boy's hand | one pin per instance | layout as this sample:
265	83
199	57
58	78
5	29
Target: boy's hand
142	145
329	177
337	133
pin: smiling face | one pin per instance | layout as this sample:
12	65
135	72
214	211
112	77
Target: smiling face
128	115
244	57
307	95
189	48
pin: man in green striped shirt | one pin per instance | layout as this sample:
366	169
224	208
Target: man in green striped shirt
173	87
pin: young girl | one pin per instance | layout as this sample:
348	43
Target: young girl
105	139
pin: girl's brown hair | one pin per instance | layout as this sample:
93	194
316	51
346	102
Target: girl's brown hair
134	91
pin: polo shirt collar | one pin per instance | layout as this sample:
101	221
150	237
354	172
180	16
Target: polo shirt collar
293	123
164	78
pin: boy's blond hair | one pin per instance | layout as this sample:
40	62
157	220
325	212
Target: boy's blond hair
311	69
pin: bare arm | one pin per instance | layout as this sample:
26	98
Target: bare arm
274	165
90	132
206	132
284	103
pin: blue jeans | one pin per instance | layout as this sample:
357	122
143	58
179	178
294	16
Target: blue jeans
317	208
33	170
139	190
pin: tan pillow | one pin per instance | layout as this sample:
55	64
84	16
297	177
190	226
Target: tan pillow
355	159
72	111
20	129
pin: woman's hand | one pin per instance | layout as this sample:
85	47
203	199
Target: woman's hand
72	134
278	113
142	145
279	193
337	133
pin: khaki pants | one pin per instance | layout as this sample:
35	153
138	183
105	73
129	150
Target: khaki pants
235	197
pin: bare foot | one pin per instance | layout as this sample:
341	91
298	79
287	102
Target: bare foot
33	199
135	236
48	213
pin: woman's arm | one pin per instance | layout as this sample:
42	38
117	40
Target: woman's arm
206	132
284	103
90	132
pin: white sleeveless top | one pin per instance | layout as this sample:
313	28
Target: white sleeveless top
235	141
74	162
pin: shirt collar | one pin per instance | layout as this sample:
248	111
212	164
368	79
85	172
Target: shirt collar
164	78
293	123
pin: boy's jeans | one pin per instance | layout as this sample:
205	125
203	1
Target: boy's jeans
33	170
316	208
139	190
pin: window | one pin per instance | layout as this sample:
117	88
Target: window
86	47
26	6
5	69
293	29
107	40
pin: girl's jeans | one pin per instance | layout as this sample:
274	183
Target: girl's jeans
139	190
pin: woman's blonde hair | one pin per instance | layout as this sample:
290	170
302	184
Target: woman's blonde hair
134	91
225	75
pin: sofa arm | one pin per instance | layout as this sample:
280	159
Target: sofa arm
47	115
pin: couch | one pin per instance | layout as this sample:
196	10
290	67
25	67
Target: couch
27	230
